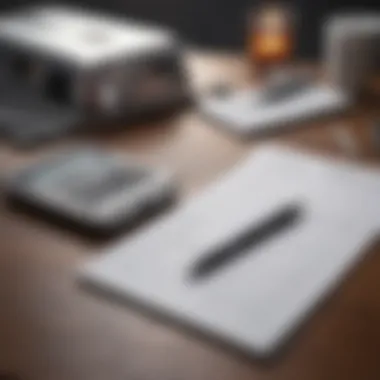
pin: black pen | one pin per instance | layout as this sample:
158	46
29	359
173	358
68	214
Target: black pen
243	244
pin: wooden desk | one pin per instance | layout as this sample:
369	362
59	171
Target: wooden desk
50	330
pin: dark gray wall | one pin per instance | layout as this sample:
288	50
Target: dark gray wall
221	23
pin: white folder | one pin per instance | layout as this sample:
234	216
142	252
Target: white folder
257	301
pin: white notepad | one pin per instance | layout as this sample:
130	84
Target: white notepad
258	301
243	113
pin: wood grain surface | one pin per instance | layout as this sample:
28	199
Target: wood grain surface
51	330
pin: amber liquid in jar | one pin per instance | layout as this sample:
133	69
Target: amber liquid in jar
270	39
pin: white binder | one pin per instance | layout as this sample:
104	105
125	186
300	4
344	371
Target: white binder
244	113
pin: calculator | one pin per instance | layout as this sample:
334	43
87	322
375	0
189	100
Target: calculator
91	190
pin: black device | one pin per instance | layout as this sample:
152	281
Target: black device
91	190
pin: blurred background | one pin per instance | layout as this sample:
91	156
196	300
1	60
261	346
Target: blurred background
221	23
52	331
